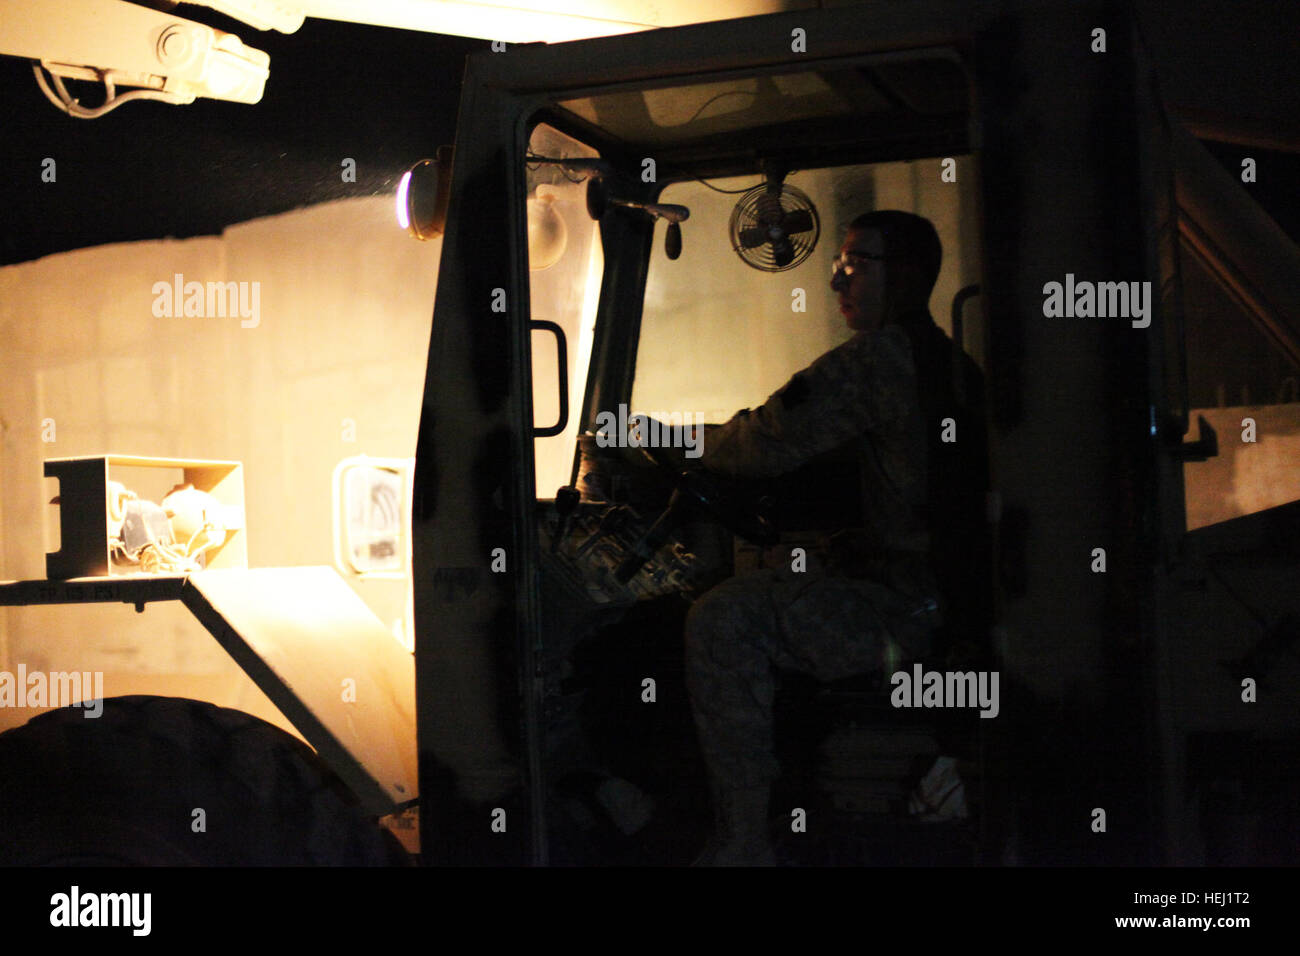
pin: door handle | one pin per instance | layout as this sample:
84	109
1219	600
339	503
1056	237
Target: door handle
562	360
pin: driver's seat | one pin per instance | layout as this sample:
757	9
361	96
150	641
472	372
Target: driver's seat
867	756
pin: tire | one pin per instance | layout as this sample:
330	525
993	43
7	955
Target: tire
123	788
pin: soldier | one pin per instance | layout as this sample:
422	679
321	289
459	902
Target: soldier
885	390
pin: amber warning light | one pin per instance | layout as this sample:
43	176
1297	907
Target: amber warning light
422	196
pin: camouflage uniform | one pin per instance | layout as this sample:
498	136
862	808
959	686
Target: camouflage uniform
834	622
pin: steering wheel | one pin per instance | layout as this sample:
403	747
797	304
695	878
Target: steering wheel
725	499
728	500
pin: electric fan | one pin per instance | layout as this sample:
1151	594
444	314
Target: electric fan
774	227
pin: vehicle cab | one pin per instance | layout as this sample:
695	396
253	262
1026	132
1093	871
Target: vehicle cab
606	254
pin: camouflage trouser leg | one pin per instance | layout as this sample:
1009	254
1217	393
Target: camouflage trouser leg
824	625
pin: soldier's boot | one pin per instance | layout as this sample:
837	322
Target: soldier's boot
740	836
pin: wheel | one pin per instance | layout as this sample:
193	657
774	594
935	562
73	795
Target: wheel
726	500
127	788
729	501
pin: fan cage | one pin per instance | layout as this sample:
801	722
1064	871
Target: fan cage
747	214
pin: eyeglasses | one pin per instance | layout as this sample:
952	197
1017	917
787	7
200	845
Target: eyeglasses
845	262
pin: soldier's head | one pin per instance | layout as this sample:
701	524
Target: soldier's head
886	268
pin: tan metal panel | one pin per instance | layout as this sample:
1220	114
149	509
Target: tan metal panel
302	635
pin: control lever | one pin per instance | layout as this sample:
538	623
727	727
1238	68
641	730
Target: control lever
566	503
653	539
611	519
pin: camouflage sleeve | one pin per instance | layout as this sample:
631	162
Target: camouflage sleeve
867	384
